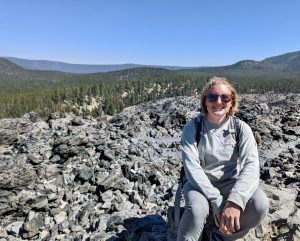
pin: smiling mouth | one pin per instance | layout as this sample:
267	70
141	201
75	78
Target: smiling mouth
218	108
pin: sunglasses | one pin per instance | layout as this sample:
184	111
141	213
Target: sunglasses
211	97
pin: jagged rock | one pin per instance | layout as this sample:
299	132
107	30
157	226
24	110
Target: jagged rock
16	177
3	233
15	228
102	179
282	201
108	154
60	217
31	226
85	174
8	137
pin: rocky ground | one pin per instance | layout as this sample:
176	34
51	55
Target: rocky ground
75	178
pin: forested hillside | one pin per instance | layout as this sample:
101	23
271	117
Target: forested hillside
23	90
111	91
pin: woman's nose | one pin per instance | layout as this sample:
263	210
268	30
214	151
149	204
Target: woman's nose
219	101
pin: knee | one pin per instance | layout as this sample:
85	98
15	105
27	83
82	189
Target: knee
261	204
256	209
198	209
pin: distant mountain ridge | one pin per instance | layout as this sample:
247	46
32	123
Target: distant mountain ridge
12	71
282	62
282	65
79	68
284	58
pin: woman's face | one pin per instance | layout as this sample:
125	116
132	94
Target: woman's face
218	101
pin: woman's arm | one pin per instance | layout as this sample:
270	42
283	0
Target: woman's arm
248	179
246	184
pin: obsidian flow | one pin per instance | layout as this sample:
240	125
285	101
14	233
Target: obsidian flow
70	177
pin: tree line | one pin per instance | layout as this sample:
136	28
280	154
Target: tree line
117	90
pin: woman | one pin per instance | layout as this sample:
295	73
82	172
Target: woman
222	174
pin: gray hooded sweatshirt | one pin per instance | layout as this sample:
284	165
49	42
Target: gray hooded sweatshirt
219	159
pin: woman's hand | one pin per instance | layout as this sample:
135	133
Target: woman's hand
229	218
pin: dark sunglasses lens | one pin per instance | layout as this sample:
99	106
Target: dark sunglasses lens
226	98
212	97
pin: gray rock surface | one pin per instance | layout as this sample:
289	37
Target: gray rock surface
78	178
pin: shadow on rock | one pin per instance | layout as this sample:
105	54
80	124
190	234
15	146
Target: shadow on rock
149	228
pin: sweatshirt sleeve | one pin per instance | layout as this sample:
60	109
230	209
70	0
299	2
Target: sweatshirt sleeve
193	170
248	179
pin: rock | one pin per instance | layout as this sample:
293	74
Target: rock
282	208
35	159
8	137
294	218
32	225
107	196
110	181
40	202
16	177
282	201
96	179
113	221
60	217
14	228
3	233
77	121
84	215
85	174
152	227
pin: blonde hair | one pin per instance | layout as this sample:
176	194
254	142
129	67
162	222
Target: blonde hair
220	80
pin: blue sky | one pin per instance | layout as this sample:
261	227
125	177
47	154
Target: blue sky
159	32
